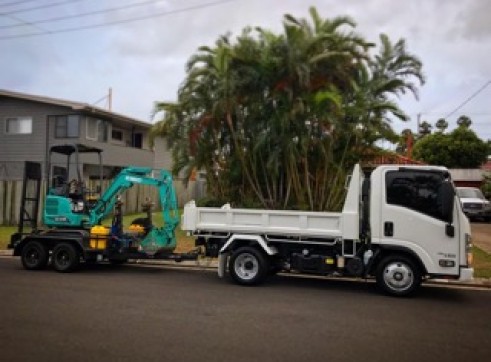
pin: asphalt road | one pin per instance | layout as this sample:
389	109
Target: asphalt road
163	314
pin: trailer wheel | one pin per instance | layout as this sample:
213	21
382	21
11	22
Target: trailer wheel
398	275
34	256
248	266
65	257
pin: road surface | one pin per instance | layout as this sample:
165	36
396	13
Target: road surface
134	313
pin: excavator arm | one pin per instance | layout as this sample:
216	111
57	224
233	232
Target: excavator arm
126	179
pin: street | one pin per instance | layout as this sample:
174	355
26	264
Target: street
174	314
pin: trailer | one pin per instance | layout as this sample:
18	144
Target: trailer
73	215
399	224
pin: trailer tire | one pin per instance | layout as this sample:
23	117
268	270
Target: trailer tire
248	266
34	256
65	258
398	275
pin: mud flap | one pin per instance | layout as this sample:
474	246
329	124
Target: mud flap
222	264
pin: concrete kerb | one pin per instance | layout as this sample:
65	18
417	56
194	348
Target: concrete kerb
213	264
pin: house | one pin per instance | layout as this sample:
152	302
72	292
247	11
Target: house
463	177
472	177
31	124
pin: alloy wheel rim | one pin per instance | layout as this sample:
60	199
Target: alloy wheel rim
246	266
398	276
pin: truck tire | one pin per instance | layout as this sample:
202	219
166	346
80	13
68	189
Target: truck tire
398	275
65	258
248	266
34	256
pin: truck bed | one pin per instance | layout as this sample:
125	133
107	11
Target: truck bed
270	222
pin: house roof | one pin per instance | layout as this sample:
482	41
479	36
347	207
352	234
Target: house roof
388	158
76	106
463	174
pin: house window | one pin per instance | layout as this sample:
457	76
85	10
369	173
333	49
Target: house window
137	140
66	126
117	135
102	131
97	130
18	125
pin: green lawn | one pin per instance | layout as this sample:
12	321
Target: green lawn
5	232
482	263
482	260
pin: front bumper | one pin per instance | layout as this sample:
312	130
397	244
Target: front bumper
466	274
477	212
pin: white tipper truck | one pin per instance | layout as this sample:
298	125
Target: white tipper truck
400	224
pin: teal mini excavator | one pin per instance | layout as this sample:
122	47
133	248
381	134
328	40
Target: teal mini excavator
73	214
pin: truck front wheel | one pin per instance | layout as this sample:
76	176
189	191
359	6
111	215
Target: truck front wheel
65	257
248	266
398	275
34	256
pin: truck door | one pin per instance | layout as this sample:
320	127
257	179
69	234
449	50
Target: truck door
412	217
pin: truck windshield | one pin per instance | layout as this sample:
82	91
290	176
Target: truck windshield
470	193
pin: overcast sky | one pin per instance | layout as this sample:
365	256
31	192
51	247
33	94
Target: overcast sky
143	61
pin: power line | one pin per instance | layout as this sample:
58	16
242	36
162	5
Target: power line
39	7
117	22
24	22
80	15
17	3
469	99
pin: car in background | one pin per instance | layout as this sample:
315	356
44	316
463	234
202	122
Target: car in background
474	204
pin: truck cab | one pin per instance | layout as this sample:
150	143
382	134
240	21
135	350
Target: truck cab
415	210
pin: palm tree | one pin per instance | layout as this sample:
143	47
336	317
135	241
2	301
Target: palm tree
464	121
425	128
441	125
277	119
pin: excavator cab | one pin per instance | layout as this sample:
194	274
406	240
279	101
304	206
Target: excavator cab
68	199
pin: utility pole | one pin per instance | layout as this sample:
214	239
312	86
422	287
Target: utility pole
110	99
418	123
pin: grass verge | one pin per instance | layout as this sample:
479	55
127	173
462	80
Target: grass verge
482	263
184	243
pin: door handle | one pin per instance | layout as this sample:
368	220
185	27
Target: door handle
389	228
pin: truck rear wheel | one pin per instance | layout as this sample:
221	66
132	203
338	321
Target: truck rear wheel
398	275
34	256
248	266
65	257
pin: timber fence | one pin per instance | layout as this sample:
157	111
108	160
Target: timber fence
133	198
